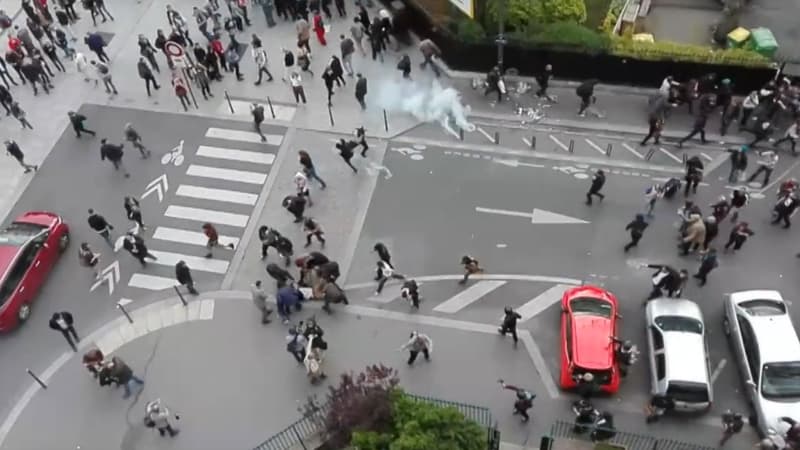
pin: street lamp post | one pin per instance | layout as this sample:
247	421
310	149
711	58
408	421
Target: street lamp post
501	38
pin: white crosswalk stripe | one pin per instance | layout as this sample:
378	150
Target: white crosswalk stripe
216	190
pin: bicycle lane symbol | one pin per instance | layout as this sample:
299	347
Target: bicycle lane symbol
174	156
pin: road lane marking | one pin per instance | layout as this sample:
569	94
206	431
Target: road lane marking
245	136
558	143
241	110
595	146
195	263
189	237
151	282
718	370
468	296
666	152
541	302
220	195
207	215
632	150
217	173
503	212
483	132
705	155
235	155
539	363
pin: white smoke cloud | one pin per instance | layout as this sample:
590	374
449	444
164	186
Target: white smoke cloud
429	102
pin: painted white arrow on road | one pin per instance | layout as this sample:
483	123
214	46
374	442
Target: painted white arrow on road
405	150
375	169
537	216
515	163
159	186
108	275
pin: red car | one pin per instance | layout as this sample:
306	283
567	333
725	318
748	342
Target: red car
29	248
588	327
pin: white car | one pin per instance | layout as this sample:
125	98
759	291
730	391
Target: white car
678	353
767	353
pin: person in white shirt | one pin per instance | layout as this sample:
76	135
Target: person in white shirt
260	58
667	85
791	136
297	87
749	105
766	163
418	343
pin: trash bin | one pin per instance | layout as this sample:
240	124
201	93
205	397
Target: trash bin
738	37
763	42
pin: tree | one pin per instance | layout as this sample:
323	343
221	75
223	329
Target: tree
418	425
360	402
520	14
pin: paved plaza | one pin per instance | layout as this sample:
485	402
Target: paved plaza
511	193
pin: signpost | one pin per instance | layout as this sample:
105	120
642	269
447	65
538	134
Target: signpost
180	60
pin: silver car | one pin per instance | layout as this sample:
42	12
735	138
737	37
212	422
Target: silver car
678	353
767	352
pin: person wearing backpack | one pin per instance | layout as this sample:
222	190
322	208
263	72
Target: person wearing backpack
104	73
288	63
232	58
181	91
586	93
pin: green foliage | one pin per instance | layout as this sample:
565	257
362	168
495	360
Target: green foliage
520	14
468	30
610	20
596	11
418	425
672	51
552	11
565	35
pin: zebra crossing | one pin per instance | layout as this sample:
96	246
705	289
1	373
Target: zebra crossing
220	182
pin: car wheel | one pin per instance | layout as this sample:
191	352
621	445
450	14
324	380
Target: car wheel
24	312
726	326
63	242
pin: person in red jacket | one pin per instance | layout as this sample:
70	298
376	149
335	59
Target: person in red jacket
213	238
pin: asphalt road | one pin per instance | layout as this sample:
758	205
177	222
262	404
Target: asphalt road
219	180
439	191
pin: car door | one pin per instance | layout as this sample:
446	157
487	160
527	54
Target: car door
749	360
46	254
658	370
29	275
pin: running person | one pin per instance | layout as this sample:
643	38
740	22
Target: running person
213	238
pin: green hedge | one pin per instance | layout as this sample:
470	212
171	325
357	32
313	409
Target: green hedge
520	14
564	35
614	11
673	51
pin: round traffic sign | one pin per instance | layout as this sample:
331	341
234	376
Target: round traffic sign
173	49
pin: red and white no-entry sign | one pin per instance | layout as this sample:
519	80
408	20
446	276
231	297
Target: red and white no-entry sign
176	53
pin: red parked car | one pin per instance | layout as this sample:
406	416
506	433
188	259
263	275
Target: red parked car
588	327
29	248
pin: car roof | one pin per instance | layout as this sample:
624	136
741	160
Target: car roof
775	335
674	307
589	291
591	336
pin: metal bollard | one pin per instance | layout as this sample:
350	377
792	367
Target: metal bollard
330	114
180	295
230	105
571	146
385	121
496	138
533	142
608	150
38	380
461	134
271	109
650	154
121	307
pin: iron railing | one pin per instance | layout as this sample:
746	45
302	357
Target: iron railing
622	439
306	430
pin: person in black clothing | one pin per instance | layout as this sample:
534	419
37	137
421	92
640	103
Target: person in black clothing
329	77
732	423
6	99
281	276
284	248
295	204
258	118
99	224
77	121
361	139
784	209
658	406
471	266
268	236
712	230
184	277
698	127
524	400
147	75
707	264
586	93
135	246
666	277
410	292
656	117
50	50
636	227
694	174
383	255
35	74
598	181
12	148
543	79
114	154
509	324
361	90
312	229
493	83
738	236
346	152
63	322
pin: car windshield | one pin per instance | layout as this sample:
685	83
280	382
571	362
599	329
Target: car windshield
763	307
688	392
593	306
18	233
781	380
679	323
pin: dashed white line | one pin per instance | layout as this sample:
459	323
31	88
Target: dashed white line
666	152
558	143
708	158
595	146
718	370
483	132
632	150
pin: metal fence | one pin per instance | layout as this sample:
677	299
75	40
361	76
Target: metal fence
306	430
622	440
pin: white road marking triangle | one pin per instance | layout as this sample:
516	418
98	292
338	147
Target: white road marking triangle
548	217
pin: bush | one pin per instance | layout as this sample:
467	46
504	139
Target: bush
422	426
469	31
610	20
672	51
565	35
524	13
552	11
519	13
